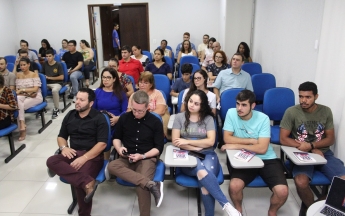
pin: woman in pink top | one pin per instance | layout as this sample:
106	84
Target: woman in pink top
28	92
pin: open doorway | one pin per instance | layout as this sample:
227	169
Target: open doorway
134	27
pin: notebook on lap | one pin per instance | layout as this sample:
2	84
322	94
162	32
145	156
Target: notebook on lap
335	202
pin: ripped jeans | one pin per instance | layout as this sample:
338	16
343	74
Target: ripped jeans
211	165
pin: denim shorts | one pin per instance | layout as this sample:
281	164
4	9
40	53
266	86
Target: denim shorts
333	167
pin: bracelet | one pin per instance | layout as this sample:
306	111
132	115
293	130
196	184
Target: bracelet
312	145
86	157
144	156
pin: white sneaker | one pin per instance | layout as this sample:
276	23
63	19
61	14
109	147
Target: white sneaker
230	210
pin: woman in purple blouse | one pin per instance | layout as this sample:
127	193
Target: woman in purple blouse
159	66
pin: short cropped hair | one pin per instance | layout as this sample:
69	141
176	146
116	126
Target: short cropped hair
73	42
239	54
24	41
50	51
246	95
115	60
21	51
2	58
308	86
126	47
141	97
186	68
186	33
91	94
207	35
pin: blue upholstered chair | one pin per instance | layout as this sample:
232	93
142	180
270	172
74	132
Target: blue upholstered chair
261	83
160	166
252	68
179	102
64	88
192	181
57	57
187	59
162	82
10	58
40	108
39	66
227	101
133	82
169	62
148	54
101	175
10	67
8	132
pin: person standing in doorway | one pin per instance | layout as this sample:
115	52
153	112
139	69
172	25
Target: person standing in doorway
116	40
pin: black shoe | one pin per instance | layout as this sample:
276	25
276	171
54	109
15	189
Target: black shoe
55	113
157	192
303	210
90	191
51	173
70	96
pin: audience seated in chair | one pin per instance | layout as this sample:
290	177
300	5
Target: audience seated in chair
24	45
159	66
199	81
79	164
125	82
233	77
74	61
24	54
167	52
28	92
138	55
243	48
183	82
42	51
245	128
8	104
54	75
203	45
157	102
194	130
186	36
130	66
110	96
88	55
185	50
220	63
137	161
208	50
9	78
209	58
64	47
309	127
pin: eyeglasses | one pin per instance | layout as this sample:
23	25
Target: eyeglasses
106	78
218	57
138	111
197	78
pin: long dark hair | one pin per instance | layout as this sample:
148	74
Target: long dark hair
246	49
47	43
117	88
189	48
86	43
205	109
162	53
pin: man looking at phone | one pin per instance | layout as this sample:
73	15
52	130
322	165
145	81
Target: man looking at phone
143	138
74	61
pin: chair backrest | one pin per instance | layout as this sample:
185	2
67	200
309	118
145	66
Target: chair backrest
39	67
148	54
252	68
10	66
195	68
228	100
261	83
276	101
44	87
35	51
179	102
162	82
169	62
132	80
10	58
187	59
110	140
57	57
65	72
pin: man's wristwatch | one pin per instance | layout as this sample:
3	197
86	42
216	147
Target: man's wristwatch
144	156
312	145
62	147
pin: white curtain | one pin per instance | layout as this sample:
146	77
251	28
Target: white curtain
330	70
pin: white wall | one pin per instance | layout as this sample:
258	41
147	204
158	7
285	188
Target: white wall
69	19
8	26
98	32
284	38
238	24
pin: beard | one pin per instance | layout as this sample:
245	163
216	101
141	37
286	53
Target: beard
82	109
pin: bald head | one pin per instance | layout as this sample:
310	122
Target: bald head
216	46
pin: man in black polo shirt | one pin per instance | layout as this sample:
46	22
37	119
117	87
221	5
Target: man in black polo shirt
74	61
81	162
143	138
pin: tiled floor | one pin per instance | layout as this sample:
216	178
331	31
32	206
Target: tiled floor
26	189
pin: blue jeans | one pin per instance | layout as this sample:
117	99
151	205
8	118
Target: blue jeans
333	167
87	69
74	79
209	182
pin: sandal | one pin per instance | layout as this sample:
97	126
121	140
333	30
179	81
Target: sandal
22	135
